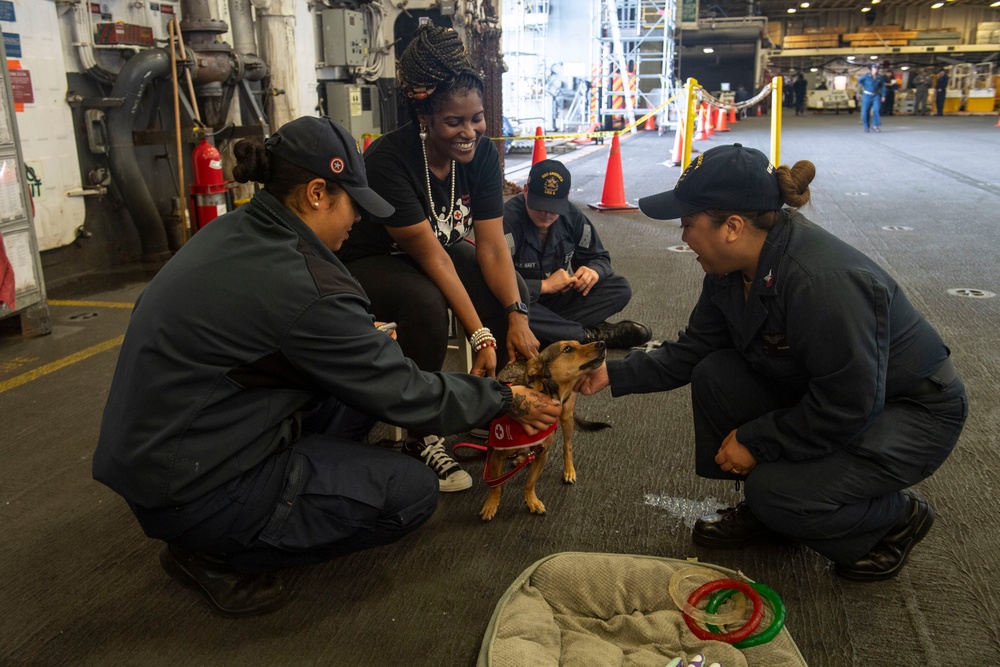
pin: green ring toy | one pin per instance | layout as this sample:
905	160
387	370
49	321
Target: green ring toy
762	637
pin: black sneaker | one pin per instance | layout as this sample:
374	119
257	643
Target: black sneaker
732	528
620	335
430	450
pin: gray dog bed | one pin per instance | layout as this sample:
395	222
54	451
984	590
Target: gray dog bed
592	609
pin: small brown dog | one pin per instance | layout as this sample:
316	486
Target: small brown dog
554	372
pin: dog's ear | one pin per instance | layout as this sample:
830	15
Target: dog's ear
539	370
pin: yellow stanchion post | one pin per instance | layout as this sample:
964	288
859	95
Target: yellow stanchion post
776	120
691	86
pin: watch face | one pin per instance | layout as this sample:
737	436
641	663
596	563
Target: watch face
518	307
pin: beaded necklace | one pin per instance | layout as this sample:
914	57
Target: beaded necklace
447	220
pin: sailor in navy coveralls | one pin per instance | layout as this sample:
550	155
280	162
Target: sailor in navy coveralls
813	378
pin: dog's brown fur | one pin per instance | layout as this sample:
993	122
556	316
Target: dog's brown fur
554	372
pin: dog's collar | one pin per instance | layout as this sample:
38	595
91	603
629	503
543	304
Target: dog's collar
507	433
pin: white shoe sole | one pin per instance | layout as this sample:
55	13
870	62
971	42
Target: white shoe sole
456	481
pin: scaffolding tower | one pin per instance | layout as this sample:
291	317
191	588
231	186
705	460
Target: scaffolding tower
525	28
637	67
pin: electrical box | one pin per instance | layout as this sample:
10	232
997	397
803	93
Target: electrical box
345	38
355	107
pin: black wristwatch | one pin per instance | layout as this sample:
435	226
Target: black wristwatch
516	307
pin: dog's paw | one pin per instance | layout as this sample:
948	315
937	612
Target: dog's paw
535	506
488	512
569	477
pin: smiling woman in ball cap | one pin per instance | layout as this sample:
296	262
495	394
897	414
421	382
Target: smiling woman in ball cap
251	372
813	379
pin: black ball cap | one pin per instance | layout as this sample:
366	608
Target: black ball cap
326	149
730	178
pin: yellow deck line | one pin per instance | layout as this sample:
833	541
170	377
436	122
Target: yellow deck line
91	304
59	364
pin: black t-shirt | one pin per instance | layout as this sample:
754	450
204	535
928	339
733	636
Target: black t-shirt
395	167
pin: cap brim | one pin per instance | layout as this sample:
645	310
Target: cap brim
666	206
550	204
370	201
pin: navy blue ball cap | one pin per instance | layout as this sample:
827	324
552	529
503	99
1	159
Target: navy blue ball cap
548	187
324	148
728	178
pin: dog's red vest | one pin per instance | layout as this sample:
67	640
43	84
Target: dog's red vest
507	433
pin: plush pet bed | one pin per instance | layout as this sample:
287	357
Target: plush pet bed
593	609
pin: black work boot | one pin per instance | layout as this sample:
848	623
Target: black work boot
230	593
887	557
732	528
620	335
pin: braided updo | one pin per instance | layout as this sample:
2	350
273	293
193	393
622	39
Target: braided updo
433	67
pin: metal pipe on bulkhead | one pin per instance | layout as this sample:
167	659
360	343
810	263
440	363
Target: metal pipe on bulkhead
277	46
245	39
130	84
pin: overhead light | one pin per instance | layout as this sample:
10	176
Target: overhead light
937	5
850	58
875	2
996	4
708	49
791	10
866	9
813	69
905	67
873	57
803	5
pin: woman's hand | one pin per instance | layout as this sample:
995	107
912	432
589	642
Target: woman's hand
533	410
594	381
484	364
520	340
734	457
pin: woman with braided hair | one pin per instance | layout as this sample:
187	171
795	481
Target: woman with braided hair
445	183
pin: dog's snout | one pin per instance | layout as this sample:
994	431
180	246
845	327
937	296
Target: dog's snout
600	345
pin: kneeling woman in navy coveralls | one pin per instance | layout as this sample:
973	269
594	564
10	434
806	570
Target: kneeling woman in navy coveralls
252	370
812	376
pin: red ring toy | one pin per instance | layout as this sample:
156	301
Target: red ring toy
736	635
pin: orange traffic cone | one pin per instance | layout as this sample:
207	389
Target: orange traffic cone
998	122
613	198
721	121
709	121
758	110
701	135
677	155
650	123
732	115
538	154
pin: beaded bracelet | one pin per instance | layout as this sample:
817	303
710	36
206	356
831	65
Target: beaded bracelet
485	344
479	335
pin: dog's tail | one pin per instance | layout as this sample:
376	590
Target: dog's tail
589	426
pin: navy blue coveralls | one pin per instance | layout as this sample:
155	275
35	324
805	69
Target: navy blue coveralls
840	389
872	91
572	242
249	374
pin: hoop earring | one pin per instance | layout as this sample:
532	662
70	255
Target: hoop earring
423	132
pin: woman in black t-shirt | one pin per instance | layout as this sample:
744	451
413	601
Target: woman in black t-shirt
445	182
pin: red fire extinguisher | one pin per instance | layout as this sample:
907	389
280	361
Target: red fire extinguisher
208	191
